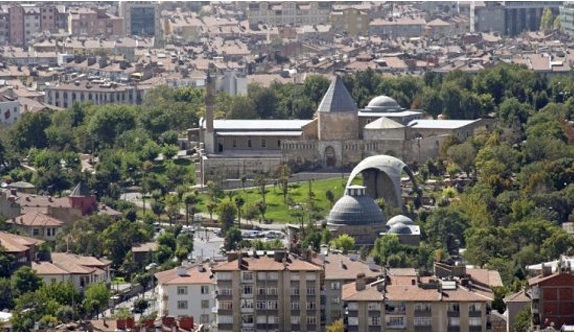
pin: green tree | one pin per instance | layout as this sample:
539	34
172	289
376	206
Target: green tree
25	280
239	202
284	174
226	214
232	239
344	242
463	155
211	207
336	326
190	199
96	297
261	183
523	322
109	121
30	131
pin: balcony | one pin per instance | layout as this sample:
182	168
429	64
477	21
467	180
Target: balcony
535	293
476	313
453	314
453	329
423	313
475	328
425	328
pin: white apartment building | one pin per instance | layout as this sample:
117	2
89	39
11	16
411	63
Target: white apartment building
188	291
66	94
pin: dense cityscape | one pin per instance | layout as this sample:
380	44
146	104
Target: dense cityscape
336	166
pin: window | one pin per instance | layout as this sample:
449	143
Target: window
53	280
453	307
295	305
249	143
247	303
294	291
422	307
263	143
423	321
396	322
311	305
204	290
204	319
247	289
311	320
311	291
260	291
247	276
182	290
474	307
247	319
374	321
295	320
278	143
272	305
395	307
261	305
225	291
454	321
205	304
474	321
226	305
182	305
35	232
234	143
374	306
335	285
336	300
271	291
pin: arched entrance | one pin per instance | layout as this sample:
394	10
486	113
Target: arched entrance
330	158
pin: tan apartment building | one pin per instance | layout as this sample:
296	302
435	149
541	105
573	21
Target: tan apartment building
455	299
339	271
354	19
289	13
94	22
16	25
66	94
404	26
268	291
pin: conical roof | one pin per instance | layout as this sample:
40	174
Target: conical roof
337	98
81	190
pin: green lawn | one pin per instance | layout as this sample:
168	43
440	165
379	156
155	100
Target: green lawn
277	210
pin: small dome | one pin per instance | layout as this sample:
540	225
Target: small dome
400	228
356	207
385	101
399	219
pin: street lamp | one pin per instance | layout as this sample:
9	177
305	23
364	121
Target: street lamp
418	138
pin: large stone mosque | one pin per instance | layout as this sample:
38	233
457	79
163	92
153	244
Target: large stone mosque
337	139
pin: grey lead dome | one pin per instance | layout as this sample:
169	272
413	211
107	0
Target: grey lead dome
355	208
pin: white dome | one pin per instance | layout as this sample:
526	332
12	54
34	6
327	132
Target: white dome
383	101
400	219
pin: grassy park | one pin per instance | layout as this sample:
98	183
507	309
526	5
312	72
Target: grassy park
277	209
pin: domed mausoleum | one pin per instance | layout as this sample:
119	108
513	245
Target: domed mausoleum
383	104
356	214
407	231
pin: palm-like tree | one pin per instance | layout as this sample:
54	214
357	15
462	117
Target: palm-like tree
211	206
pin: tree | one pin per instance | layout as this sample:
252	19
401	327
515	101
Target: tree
557	24
239	202
25	280
211	206
232	238
336	326
344	242
158	208
262	207
523	321
330	196
190	200
30	131
261	182
110	121
168	239
96	298
284	174
226	214
140	305
547	19
6	261
463	155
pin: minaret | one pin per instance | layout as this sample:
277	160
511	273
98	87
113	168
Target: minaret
209	142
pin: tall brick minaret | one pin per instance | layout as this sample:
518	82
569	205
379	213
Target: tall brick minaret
209	142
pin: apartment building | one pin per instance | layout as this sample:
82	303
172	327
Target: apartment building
16	25
66	94
567	18
552	294
339	271
94	22
455	299
289	13
4	25
404	26
353	19
32	25
188	290
268	291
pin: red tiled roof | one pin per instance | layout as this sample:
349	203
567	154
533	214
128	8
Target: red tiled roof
193	276
15	243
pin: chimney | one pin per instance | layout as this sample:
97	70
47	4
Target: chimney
360	283
181	271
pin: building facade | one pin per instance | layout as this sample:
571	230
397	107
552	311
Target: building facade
188	291
94	22
567	18
353	19
141	18
289	13
268	291
405	26
522	16
9	110
66	94
552	297
489	17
